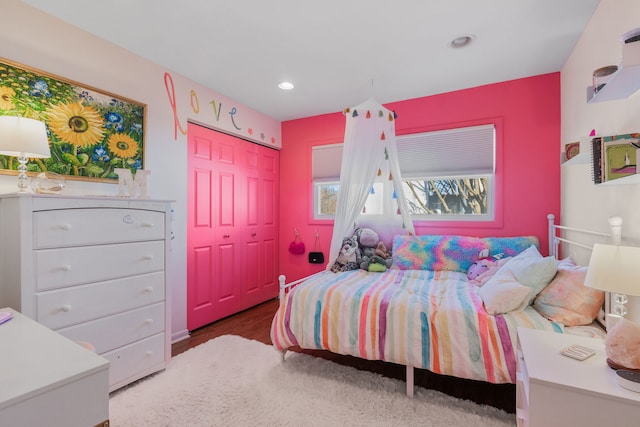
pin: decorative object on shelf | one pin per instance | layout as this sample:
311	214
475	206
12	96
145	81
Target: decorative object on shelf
91	132
601	76
615	269
23	138
571	150
48	183
128	186
623	81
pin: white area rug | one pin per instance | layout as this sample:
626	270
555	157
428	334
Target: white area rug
232	381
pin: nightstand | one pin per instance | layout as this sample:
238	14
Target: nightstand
49	380
555	390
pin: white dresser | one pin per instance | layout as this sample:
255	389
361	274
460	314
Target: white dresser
94	270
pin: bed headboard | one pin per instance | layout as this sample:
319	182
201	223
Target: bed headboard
577	243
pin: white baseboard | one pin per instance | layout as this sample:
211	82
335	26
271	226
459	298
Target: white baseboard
179	336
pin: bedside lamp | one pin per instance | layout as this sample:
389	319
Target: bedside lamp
23	138
615	269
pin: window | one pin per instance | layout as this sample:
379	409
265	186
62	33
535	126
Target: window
447	175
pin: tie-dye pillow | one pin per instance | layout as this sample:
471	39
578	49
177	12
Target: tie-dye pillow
453	253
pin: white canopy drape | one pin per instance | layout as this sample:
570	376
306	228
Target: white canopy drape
369	139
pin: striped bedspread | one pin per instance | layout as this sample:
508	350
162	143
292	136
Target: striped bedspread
427	319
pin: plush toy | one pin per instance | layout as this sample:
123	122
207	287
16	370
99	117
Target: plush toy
482	265
349	257
374	251
367	238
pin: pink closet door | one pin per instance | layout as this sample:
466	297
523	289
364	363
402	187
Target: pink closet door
232	225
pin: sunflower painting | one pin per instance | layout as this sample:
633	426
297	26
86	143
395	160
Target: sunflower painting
91	133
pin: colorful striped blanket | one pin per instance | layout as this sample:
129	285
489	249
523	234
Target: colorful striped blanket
427	319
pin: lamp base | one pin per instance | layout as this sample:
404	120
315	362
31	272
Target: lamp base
616	366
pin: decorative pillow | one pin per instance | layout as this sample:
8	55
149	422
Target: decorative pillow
454	253
566	299
530	269
504	294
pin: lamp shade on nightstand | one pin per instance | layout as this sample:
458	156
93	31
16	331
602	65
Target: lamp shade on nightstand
614	269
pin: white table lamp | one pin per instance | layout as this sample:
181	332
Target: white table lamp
615	269
23	138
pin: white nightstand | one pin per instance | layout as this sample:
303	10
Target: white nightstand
555	390
49	380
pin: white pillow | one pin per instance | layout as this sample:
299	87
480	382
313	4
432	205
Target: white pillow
530	269
504	294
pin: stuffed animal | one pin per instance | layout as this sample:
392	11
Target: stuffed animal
373	250
349	257
367	238
482	265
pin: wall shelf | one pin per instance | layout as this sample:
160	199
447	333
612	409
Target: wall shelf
623	82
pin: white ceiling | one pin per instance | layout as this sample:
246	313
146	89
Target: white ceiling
336	52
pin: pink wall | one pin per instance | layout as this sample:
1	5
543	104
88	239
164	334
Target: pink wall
527	117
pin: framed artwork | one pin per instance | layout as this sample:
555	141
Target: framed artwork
91	132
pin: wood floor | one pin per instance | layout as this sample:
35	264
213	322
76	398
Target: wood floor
255	324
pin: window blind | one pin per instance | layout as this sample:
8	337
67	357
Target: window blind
446	153
451	152
326	161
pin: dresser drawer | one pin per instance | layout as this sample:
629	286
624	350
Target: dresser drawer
77	227
57	268
69	306
136	360
121	329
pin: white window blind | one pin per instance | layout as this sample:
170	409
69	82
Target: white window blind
326	161
446	153
451	152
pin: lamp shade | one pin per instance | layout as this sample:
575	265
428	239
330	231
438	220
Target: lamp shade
614	269
21	135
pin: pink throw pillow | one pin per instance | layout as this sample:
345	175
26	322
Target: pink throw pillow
566	299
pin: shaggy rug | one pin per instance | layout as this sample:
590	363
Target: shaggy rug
232	381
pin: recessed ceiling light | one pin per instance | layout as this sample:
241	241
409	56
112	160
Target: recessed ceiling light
285	85
462	41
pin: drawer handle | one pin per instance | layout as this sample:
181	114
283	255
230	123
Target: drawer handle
226	236
148	289
147	257
66	308
65	267
65	227
253	234
147	224
149	353
148	321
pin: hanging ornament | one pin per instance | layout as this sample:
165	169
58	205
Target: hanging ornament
372	191
398	212
368	114
382	137
347	110
395	195
390	117
379	172
355	113
386	154
390	177
364	209
395	116
380	113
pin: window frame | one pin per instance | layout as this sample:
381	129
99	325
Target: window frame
496	204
